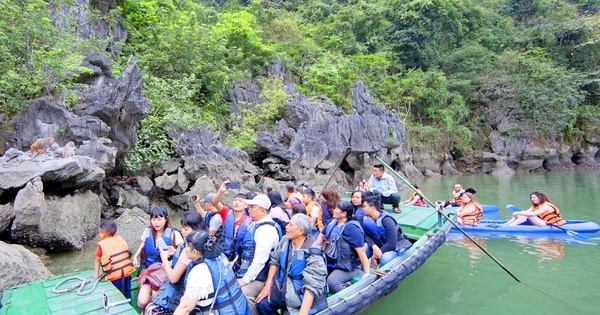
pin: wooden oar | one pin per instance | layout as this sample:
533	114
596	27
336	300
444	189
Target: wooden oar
438	208
514	208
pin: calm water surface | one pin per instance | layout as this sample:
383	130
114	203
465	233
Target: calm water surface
460	279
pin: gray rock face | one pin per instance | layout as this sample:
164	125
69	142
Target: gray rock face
131	225
63	224
57	174
18	266
7	214
100	150
313	135
129	198
119	103
145	184
203	154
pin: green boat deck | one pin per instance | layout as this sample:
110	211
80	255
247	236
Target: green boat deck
37	298
416	221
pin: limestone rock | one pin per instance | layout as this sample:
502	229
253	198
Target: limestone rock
18	266
7	214
131	225
145	184
129	198
65	224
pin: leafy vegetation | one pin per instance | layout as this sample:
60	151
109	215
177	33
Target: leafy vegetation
445	66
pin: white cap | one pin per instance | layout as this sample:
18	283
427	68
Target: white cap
260	200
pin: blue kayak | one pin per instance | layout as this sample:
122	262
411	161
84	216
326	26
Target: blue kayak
497	226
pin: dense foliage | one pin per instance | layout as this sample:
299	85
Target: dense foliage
444	65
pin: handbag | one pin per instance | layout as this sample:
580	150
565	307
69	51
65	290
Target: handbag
155	275
331	249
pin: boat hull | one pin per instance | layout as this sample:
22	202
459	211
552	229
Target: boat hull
497	226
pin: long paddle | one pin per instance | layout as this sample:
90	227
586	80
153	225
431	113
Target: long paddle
438	208
514	208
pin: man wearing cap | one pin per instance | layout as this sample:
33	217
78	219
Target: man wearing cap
212	203
262	236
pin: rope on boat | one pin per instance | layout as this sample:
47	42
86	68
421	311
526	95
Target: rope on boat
79	286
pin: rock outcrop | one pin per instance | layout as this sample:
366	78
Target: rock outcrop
18	266
57	223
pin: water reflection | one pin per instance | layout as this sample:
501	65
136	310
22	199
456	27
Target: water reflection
545	248
474	252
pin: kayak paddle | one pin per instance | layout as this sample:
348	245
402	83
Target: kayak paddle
514	208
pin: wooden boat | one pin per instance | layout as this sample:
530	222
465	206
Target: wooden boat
426	229
497	226
37	297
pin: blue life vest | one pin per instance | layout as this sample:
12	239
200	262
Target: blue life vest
229	298
232	244
152	250
169	295
375	229
347	258
248	247
294	272
359	214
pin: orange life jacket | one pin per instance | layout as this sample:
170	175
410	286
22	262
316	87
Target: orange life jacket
474	217
551	217
419	202
116	258
457	198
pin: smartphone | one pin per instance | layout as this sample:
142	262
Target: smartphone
193	198
233	185
161	244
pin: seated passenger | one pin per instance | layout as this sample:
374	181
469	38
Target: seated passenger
384	187
294	196
210	284
456	201
330	199
470	211
385	239
347	236
297	262
542	212
313	209
168	296
262	236
235	226
278	210
415	199
357	198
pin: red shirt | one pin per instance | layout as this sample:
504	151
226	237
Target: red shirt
223	212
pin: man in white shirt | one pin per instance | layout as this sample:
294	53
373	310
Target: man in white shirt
384	186
262	236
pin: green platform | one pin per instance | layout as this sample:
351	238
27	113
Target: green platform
37	298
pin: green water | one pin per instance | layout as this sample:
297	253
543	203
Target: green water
460	279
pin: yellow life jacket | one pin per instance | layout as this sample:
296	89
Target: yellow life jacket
551	217
116	257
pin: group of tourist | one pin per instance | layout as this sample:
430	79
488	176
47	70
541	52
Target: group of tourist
266	254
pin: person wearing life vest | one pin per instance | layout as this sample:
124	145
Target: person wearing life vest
414	198
541	212
312	207
170	293
113	256
298	268
294	196
210	284
470	211
251	267
345	233
212	203
385	239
